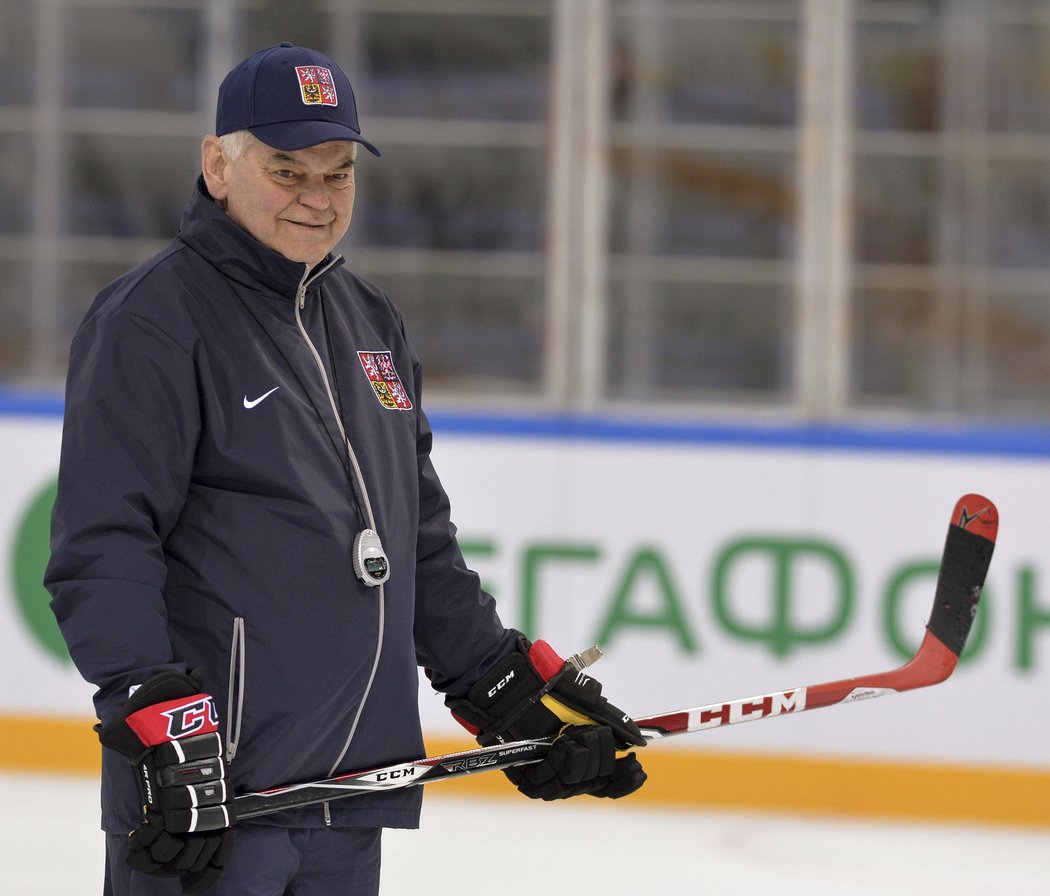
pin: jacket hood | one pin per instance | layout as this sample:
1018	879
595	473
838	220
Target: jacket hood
224	244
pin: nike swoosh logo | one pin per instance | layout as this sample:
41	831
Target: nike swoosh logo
251	404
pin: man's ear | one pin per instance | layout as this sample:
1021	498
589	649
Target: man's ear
214	164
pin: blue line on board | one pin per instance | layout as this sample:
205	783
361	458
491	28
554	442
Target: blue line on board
30	403
989	439
1010	440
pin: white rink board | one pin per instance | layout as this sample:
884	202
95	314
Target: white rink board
647	524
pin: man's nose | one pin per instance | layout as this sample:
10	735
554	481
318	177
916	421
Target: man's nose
316	196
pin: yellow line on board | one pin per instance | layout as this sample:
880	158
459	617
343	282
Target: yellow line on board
763	782
48	744
681	779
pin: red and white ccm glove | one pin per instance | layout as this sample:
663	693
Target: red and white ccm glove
169	732
533	693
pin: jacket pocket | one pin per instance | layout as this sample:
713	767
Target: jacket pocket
235	700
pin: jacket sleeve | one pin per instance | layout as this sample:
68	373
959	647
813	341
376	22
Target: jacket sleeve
458	632
131	425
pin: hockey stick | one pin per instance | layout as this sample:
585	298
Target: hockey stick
964	565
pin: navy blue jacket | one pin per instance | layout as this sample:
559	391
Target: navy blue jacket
197	527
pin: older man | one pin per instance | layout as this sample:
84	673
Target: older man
252	552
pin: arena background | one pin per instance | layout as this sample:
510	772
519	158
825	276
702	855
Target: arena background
699	274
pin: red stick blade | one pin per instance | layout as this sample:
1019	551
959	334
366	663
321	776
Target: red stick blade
978	515
964	565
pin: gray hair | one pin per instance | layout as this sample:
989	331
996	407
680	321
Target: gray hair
235	143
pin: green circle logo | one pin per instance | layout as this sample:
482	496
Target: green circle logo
32	549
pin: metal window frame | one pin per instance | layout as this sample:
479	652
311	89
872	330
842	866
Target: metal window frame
577	265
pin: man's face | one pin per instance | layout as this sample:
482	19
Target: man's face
298	202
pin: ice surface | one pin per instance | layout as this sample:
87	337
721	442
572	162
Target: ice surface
519	848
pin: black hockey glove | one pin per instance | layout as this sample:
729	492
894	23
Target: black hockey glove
534	693
169	733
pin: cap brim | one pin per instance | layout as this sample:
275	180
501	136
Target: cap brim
293	135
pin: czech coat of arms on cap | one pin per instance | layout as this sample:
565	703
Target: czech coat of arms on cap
317	85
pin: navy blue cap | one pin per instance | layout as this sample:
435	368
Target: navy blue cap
290	98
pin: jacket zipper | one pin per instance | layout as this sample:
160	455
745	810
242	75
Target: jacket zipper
235	700
300	303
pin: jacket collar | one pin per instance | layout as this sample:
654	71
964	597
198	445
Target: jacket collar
211	233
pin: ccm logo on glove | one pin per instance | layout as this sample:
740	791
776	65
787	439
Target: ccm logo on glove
501	684
533	693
